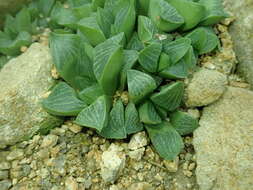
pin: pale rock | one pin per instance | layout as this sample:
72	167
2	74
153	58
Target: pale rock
15	155
112	164
5	184
141	186
206	87
23	82
137	154
5	165
224	143
172	166
49	141
71	184
138	140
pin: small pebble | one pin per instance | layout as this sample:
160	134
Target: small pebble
49	140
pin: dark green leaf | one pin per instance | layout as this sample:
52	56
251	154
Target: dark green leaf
115	128
139	85
82	11
170	96
90	28
105	19
132	120
143	7
45	7
3	61
183	122
192	12
214	12
164	62
161	111
146	29
165	16
96	115
91	93
71	61
135	43
97	3
130	59
148	114
149	56
108	63
166	140
63	101
177	49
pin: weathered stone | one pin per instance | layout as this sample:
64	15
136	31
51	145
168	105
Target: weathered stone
5	184
205	87
15	154
4	174
71	184
5	165
141	186
137	154
241	31
113	162
10	6
49	141
138	140
224	143
23	82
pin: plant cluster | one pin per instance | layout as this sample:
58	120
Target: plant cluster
122	62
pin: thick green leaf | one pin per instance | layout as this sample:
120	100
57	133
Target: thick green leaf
149	56
161	111
177	49
146	29
148	113
170	96
214	12
125	18
115	128
10	27
90	28
105	19
12	47
77	3
71	61
164	62
132	120
165	16
63	101
108	63
91	93
45	7
130	59
139	85
118	39
143	6
192	12
203	39
23	20
97	3
82	11
183	122
96	115
135	43
166	140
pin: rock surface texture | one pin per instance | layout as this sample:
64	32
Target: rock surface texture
224	143
9	6
241	32
205	87
24	80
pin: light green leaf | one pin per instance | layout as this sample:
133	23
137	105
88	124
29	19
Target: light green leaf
149	56
115	128
82	11
77	3
139	85
23	20
108	63
161	111
170	96
63	101
132	120
90	28
71	61
130	59
45	7
183	122
148	114
97	3
96	115
146	29
214	12
3	61
143	7
165	16
164	62
166	140
91	93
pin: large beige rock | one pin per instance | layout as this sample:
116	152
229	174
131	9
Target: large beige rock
10	6
241	32
224	143
205	87
23	81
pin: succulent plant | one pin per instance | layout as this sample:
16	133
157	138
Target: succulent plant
122	72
